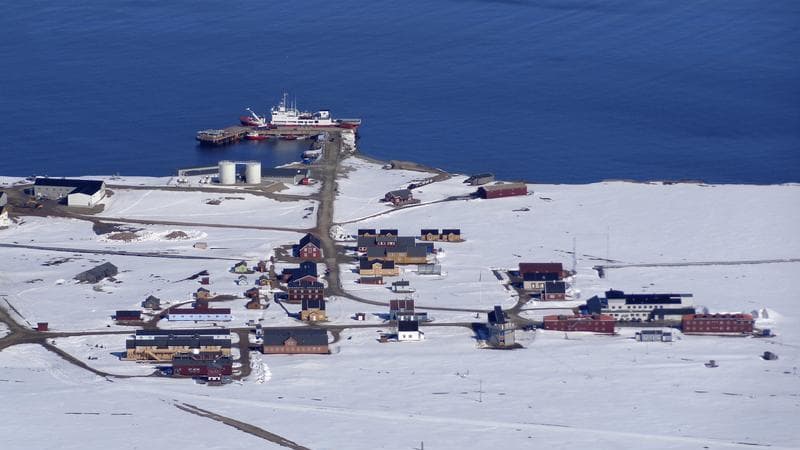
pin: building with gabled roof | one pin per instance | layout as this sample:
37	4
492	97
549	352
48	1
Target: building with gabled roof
502	190
294	340
151	302
451	235
554	291
313	310
306	269
400	197
501	330
202	294
402	286
429	234
366	232
310	247
94	275
377	267
241	267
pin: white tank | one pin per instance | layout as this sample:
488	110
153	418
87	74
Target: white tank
252	174
227	172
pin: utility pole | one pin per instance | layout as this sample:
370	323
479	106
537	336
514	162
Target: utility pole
480	391
574	257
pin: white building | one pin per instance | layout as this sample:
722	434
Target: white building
86	193
408	330
654	336
199	314
220	334
641	307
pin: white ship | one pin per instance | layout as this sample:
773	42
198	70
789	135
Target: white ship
285	115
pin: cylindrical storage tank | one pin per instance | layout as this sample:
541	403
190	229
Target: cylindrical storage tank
252	174
227	172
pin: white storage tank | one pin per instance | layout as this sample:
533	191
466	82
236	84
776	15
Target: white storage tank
252	172
227	172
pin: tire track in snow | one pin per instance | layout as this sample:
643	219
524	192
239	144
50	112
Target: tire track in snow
394	417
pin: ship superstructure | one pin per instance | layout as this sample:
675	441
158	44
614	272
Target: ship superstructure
286	115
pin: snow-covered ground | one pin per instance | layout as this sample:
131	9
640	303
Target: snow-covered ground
236	208
364	184
573	391
608	223
554	393
39	283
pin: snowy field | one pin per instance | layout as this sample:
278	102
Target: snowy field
236	208
40	282
608	223
354	201
445	391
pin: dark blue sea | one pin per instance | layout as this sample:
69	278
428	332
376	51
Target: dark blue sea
567	91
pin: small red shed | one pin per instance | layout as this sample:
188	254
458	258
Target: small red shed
503	190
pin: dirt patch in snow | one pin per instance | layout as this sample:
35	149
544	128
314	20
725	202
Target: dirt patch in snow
126	236
176	235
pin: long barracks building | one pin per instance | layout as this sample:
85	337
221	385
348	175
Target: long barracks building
162	345
640	307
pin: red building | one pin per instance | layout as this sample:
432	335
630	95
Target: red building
209	365
595	323
127	316
295	340
717	323
503	190
556	268
370	280
309	247
305	290
42	326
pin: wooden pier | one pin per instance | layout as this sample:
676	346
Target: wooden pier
236	133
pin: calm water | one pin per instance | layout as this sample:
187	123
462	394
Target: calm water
557	90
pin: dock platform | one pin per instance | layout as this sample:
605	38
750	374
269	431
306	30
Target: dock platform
233	134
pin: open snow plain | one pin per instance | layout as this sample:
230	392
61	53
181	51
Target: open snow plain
558	391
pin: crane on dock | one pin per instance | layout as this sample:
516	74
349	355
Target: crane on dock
254	120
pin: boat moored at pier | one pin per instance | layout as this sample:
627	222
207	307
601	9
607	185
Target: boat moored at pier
286	115
256	136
